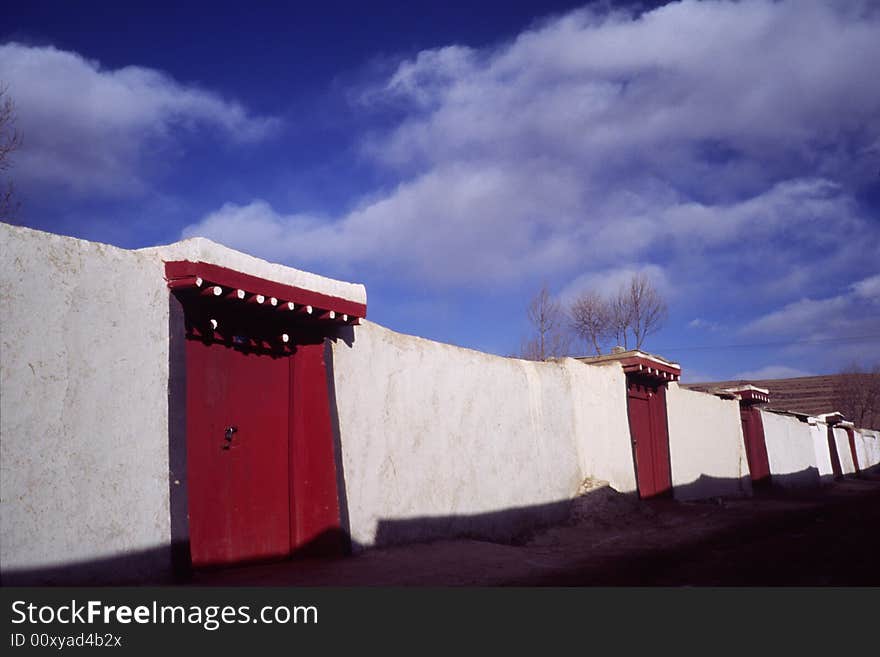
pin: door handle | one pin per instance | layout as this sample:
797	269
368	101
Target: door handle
227	435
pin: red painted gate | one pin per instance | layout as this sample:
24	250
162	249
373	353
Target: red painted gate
237	454
261	478
835	457
755	443
646	406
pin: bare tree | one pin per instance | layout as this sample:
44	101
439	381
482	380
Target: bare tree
591	319
857	395
10	140
628	317
621	316
550	338
647	310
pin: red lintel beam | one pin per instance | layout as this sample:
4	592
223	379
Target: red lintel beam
229	278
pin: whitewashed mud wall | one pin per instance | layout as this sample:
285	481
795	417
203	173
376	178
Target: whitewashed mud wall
790	450
83	410
841	439
600	415
706	446
870	443
440	440
819	434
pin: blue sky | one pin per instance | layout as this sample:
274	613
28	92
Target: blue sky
456	157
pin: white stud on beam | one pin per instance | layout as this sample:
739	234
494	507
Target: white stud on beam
257	298
305	310
285	338
199	281
273	301
214	324
236	294
290	305
213	291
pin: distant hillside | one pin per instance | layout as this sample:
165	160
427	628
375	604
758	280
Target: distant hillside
815	395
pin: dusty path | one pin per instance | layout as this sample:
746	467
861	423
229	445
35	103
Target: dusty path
829	536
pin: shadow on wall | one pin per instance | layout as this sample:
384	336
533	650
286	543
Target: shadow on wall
162	566
808	478
510	526
707	486
149	567
507	525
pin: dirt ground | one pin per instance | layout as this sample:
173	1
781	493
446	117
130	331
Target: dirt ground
820	537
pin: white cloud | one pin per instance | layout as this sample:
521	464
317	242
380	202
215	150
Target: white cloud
609	281
700	324
692	136
851	314
799	316
772	372
868	289
89	128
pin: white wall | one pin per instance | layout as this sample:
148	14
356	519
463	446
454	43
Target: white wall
83	410
870	441
790	450
705	445
600	415
819	434
841	438
437	439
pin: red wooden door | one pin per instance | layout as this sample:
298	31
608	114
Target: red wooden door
261	451
315	526
835	457
239	490
646	405
756	445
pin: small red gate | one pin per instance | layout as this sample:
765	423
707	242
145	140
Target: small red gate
261	468
646	406
755	444
832	450
647	377
750	400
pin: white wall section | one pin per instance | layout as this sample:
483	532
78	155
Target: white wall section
841	439
705	445
83	410
437	439
870	441
790	450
